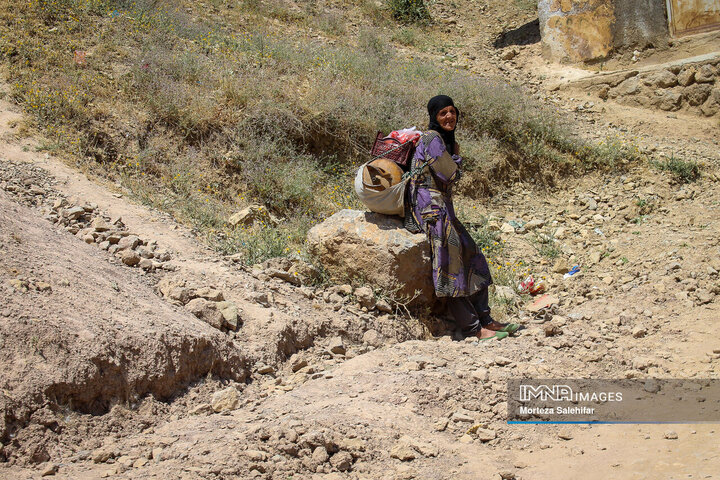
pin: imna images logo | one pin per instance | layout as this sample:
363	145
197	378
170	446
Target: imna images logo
556	393
559	393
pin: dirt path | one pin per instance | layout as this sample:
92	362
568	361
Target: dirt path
402	410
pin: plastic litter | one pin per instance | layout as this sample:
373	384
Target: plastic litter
599	232
516	224
530	286
572	271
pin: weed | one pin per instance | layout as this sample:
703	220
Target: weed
199	116
409	11
255	245
526	5
406	36
684	171
488	241
645	206
545	244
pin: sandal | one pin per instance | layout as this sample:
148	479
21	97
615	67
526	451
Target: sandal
510	328
498	335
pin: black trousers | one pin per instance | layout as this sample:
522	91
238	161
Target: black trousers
470	313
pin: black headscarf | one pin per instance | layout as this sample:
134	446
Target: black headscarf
434	106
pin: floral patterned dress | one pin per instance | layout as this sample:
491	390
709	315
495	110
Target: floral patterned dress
459	269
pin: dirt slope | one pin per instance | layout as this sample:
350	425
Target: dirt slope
362	406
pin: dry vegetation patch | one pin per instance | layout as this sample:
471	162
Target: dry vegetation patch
203	112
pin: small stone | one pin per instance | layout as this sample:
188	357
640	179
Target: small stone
140	462
146	264
706	74
297	364
73	213
114	238
225	400
229	312
481	374
262	298
671	435
534	224
320	455
462	416
341	461
255	455
365	297
265	370
560	266
509	54
103	454
202	409
206	311
383	306
502	361
372	337
639	332
507	475
210	294
565	435
250	215
552	330
686	77
49	470
594	257
99	225
485	434
403	452
467	439
441	425
128	243
337	346
129	257
704	296
662	79
145	252
507	228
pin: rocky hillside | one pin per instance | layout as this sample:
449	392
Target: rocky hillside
132	349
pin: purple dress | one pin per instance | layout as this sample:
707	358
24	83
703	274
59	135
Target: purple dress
459	269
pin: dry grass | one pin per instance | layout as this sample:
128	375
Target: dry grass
204	111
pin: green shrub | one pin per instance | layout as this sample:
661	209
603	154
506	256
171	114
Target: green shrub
488	241
684	171
409	11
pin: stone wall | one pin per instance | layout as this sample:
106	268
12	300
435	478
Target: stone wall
640	23
689	85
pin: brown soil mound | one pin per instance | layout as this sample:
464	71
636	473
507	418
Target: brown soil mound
82	333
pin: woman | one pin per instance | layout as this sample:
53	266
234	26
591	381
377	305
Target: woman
460	271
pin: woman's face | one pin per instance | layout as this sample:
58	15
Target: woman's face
447	118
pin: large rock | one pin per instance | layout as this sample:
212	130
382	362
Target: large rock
377	248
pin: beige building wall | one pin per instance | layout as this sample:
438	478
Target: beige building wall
587	30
